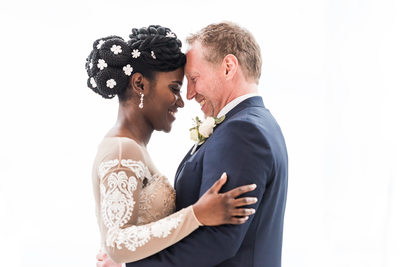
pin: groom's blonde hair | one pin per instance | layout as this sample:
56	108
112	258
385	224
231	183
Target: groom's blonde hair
229	38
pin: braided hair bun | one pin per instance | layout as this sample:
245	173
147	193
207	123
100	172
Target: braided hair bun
159	48
112	60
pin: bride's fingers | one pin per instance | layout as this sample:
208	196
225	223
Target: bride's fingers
235	220
218	184
241	190
100	256
243	201
243	212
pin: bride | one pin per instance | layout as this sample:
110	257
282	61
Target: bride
135	204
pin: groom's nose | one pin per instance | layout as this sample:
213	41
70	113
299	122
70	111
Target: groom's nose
190	92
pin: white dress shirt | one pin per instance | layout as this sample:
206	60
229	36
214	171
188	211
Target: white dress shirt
234	103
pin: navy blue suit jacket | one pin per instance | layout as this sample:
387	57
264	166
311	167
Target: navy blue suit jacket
250	148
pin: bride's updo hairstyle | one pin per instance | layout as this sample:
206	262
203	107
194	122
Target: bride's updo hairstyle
112	60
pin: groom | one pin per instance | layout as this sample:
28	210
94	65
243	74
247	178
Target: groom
223	69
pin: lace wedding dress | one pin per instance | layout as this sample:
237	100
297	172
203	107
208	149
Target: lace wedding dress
135	205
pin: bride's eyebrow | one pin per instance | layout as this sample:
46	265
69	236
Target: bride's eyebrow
178	82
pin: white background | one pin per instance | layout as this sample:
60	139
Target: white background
330	77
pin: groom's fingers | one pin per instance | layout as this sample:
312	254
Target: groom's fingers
241	190
218	184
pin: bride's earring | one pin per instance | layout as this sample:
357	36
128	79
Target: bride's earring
141	100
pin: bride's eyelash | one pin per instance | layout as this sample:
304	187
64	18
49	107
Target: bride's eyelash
176	89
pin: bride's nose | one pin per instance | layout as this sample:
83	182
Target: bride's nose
179	101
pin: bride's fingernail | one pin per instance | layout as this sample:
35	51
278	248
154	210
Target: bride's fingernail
254	199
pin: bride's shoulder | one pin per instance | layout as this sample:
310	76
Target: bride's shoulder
124	147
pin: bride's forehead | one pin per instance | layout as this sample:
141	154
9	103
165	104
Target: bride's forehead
170	76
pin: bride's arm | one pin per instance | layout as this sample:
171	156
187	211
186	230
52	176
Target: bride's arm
127	242
120	183
124	240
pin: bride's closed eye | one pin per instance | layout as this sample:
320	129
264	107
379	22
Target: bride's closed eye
176	89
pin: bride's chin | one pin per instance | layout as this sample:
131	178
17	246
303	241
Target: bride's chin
167	128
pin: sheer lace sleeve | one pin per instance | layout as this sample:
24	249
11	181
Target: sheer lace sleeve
121	181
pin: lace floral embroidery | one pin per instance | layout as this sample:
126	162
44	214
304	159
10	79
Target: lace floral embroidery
156	201
117	199
137	236
137	167
106	166
117	204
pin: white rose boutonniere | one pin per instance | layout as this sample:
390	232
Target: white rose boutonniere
203	129
206	128
194	135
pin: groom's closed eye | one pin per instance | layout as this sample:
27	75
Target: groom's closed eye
191	78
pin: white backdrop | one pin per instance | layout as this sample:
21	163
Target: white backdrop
330	77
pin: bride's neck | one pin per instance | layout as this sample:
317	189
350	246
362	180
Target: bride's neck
132	124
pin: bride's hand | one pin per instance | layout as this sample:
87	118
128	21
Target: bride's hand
215	208
103	260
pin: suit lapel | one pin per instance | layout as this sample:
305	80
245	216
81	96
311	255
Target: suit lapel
178	171
255	101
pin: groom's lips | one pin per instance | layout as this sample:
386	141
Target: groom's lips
201	101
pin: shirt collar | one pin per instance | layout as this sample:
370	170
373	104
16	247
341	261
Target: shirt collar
234	103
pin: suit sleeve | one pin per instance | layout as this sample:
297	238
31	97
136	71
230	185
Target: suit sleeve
243	152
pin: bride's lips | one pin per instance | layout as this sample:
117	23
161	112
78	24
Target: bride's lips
171	113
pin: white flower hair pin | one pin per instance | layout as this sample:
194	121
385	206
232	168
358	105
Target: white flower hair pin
127	70
102	64
153	55
170	35
116	49
101	42
135	53
202	130
111	83
93	82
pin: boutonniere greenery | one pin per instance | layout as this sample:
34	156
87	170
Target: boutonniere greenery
203	129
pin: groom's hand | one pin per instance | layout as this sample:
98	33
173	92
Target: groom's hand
104	261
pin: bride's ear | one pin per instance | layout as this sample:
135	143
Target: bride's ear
137	83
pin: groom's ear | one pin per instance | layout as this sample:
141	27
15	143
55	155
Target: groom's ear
230	64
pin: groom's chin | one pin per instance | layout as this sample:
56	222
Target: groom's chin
206	112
